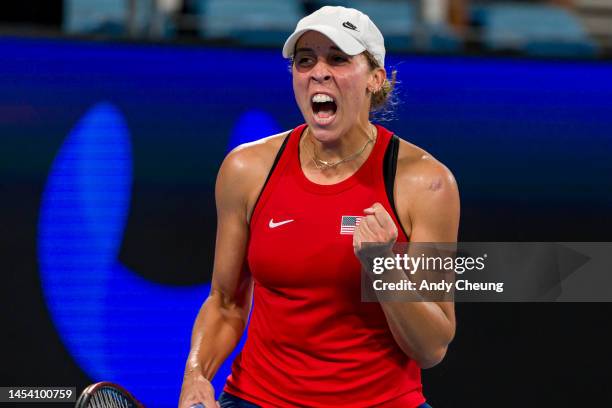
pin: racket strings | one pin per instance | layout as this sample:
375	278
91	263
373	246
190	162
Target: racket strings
109	398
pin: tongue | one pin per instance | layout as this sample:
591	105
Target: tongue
325	109
325	113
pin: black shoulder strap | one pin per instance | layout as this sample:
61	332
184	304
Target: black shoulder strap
277	158
389	170
279	154
390	167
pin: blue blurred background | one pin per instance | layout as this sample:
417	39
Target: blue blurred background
114	119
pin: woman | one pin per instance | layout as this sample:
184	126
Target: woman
288	233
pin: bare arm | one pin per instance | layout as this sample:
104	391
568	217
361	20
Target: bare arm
423	330
223	316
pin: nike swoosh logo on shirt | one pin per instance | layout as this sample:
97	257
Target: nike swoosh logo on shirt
273	224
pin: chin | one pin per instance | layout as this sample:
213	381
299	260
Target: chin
325	134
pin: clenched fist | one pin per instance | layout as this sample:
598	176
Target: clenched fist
376	233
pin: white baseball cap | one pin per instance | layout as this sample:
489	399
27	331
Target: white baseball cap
351	30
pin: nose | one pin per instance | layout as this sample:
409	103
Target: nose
320	72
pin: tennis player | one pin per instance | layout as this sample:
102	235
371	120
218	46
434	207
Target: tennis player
293	212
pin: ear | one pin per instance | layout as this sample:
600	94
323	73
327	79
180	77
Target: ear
377	78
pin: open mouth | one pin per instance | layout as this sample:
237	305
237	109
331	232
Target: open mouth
324	108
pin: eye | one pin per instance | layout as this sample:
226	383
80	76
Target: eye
339	59
303	61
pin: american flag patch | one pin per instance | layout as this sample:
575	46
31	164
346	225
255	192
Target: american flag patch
348	224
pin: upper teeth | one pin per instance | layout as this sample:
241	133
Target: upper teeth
319	98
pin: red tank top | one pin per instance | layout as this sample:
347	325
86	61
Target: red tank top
311	341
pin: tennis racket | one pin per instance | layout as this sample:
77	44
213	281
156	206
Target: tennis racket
107	395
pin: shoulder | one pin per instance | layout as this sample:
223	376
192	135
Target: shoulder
250	159
422	171
426	188
244	171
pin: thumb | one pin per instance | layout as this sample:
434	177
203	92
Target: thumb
372	209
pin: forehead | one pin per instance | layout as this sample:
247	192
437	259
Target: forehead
316	41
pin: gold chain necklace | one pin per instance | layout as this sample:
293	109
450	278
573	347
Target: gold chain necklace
324	165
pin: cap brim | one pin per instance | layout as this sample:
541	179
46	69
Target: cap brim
346	42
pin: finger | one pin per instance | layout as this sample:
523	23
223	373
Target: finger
385	221
188	401
382	216
210	402
379	234
199	398
376	211
195	402
365	232
373	225
376	206
356	239
206	403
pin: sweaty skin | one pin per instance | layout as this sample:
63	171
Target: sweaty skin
426	197
320	67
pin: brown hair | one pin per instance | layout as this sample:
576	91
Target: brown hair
383	98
